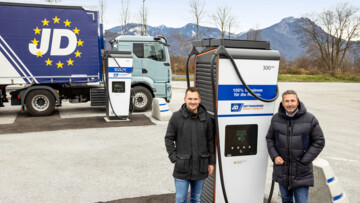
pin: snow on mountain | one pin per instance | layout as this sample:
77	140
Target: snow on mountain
280	35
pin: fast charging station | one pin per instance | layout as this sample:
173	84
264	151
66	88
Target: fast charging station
242	120
118	69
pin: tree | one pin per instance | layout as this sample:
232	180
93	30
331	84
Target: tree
331	32
143	19
221	18
231	22
102	8
52	1
180	40
197	10
356	56
125	15
254	34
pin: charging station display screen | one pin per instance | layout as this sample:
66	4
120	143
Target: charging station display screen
118	86
241	140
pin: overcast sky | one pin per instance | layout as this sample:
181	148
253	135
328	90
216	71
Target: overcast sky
175	13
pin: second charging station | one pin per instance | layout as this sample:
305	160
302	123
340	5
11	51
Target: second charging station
237	81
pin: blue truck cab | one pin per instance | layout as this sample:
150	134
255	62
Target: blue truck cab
151	67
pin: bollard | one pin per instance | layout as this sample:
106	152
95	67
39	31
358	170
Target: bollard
327	187
160	109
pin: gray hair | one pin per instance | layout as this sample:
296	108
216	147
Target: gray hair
290	92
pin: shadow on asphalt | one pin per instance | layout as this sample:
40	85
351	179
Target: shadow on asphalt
164	198
27	123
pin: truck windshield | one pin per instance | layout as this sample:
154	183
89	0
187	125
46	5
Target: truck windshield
154	52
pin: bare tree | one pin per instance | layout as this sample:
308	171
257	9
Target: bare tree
102	8
356	55
221	18
125	15
231	22
197	10
331	32
52	1
254	34
143	14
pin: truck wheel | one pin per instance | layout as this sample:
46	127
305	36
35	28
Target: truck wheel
40	102
142	99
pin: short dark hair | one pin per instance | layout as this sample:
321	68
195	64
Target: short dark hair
290	92
192	89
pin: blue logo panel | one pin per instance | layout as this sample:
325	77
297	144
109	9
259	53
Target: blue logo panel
238	92
236	107
120	70
51	43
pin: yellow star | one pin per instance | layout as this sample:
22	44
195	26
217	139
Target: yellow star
59	64
38	54
48	62
80	43
37	30
67	23
56	19
78	54
45	22
35	41
76	31
70	62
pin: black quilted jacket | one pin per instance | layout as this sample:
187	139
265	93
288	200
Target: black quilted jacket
189	141
298	140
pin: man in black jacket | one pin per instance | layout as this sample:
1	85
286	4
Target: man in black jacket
294	140
190	144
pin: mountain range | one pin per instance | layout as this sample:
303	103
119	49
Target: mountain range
282	36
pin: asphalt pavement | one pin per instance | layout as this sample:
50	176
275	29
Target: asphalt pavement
118	163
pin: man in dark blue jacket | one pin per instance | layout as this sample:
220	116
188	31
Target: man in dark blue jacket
294	140
190	144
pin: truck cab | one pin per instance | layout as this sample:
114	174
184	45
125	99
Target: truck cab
151	67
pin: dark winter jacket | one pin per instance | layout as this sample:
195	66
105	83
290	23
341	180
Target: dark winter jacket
189	142
298	141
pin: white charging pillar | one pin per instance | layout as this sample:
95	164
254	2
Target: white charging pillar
118	84
243	120
243	123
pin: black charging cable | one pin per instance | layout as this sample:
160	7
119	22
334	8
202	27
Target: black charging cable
132	93
194	51
214	91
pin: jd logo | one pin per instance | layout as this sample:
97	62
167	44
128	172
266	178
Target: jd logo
56	50
236	107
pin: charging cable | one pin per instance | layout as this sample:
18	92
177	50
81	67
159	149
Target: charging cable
132	93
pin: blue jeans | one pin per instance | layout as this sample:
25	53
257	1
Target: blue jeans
301	194
182	187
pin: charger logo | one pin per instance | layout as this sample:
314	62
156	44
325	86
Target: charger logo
64	42
236	107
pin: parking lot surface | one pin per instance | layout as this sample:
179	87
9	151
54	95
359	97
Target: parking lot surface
116	162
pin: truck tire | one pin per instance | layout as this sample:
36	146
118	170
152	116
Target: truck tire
40	102
142	99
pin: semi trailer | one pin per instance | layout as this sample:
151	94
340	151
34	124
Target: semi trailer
55	53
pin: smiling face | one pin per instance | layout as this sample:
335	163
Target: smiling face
290	102
192	101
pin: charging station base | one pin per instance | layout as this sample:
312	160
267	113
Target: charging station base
112	119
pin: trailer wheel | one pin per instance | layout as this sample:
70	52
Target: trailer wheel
142	99
40	102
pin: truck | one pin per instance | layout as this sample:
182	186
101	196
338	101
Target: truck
55	53
151	63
